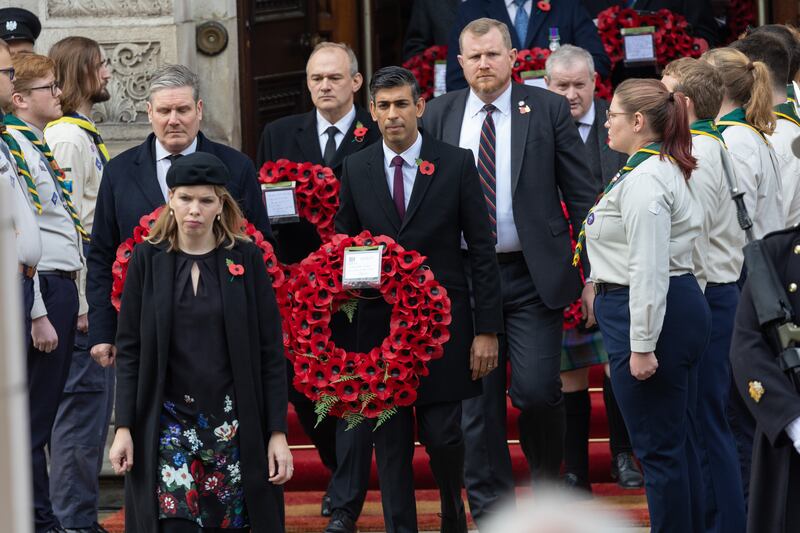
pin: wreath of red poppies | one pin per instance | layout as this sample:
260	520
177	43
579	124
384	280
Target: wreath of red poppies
316	189
356	386
119	269
422	66
536	58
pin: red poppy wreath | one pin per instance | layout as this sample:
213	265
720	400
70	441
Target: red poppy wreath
357	386
119	270
317	190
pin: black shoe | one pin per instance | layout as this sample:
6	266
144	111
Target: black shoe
327	506
572	481
626	472
341	522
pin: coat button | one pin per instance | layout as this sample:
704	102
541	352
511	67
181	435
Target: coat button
793	287
797	249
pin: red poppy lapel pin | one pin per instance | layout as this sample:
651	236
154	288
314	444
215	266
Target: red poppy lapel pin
523	107
543	5
359	132
425	167
234	269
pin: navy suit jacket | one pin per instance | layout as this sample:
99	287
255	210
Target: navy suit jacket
129	190
574	25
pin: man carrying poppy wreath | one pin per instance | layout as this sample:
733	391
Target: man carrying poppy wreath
325	135
424	194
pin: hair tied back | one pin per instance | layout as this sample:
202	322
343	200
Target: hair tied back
671	97
750	65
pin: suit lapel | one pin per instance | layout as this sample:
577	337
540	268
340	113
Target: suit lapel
349	144
377	179
538	18
234	302
520	123
498	11
163	287
145	174
307	138
451	129
421	181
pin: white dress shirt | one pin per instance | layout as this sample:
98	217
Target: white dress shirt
586	122
163	163
507	237
410	157
511	6
343	125
643	232
786	132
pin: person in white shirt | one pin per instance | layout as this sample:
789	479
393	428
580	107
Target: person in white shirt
654	318
719	250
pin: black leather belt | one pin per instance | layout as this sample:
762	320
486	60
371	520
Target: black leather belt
27	271
605	288
59	273
717	284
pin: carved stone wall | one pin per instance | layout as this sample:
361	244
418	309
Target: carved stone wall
108	8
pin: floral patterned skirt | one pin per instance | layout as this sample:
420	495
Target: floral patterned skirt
198	466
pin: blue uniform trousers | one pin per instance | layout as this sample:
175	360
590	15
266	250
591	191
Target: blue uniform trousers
660	411
47	373
26	285
719	457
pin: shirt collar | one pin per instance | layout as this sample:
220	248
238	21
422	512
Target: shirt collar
410	156
502	102
343	124
36	131
162	153
511	3
588	118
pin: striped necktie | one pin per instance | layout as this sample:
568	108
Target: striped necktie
486	165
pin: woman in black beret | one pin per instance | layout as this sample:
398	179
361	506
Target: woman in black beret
201	379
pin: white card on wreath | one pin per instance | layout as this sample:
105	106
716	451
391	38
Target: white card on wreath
439	78
361	267
639	45
281	202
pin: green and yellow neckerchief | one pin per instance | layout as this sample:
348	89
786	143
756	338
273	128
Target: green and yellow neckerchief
737	118
14	123
706	127
87	126
786	111
22	167
639	157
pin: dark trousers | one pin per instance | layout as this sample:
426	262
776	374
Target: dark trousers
26	285
719	457
348	486
323	436
743	426
532	343
47	373
79	437
660	411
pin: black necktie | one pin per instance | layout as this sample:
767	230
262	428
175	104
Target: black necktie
173	157
330	146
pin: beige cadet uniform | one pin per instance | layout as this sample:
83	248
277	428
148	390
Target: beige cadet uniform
643	232
758	172
77	155
787	131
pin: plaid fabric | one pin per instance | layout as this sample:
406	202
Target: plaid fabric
579	350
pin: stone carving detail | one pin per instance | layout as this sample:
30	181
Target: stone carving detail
108	8
132	65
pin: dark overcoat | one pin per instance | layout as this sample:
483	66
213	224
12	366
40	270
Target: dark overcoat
442	206
253	333
775	476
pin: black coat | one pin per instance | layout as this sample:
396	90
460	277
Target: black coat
548	161
574	25
603	161
442	206
295	138
775	477
129	190
429	25
253	332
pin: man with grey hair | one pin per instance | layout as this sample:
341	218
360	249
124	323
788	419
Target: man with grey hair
134	184
325	136
570	73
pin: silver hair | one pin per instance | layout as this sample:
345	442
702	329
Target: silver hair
325	45
567	55
173	77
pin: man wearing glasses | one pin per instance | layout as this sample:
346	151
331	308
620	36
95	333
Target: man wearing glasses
79	432
35	103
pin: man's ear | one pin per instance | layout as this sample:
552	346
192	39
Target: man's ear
372	110
358	80
200	109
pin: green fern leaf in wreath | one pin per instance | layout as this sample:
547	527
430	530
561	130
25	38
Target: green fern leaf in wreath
349	308
385	416
353	419
323	406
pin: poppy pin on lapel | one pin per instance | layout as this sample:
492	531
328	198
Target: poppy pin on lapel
523	107
756	390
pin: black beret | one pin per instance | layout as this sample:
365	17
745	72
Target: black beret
17	24
199	168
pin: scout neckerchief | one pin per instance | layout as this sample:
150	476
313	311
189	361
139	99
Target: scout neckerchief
786	111
641	155
14	123
737	118
706	127
86	125
22	166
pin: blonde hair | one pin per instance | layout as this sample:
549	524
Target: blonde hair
747	83
226	229
482	26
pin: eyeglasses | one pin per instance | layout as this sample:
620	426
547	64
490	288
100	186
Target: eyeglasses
54	88
610	115
8	72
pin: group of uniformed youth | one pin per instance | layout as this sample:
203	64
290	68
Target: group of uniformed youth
648	200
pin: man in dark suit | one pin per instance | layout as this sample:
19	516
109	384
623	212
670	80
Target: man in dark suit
530	27
429	25
134	184
525	140
325	136
384	192
570	73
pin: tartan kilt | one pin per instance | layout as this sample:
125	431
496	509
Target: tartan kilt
579	350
